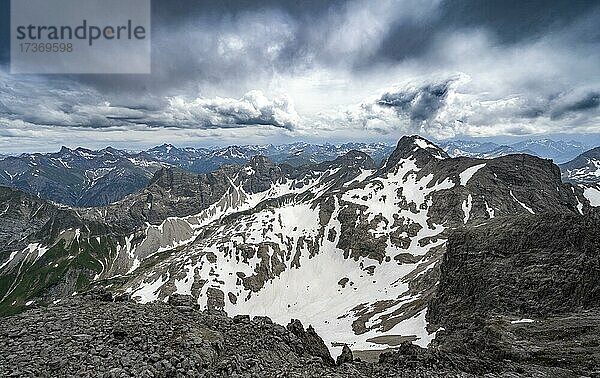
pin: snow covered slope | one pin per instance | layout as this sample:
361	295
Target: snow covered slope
583	169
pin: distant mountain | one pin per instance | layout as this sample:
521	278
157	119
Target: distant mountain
85	178
457	148
203	160
79	177
559	151
584	169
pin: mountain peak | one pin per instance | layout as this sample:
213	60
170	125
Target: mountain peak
417	148
165	147
355	158
84	150
257	160
110	149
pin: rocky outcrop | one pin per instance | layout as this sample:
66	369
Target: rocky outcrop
345	356
524	289
312	343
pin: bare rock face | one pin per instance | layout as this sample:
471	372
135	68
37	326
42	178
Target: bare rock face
170	193
216	299
524	289
345	356
182	301
261	173
312	343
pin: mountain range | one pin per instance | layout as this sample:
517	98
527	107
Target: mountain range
559	151
86	178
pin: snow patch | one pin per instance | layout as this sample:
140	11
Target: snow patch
522	204
490	210
520	321
10	258
466	175
467	205
592	195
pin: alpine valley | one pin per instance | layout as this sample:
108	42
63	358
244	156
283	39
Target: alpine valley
491	264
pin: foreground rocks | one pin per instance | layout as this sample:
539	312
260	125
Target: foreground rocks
91	337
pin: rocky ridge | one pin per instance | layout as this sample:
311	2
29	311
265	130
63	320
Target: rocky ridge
92	338
90	178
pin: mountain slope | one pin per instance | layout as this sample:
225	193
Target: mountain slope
585	168
524	289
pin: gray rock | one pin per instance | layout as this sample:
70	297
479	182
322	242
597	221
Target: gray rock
345	356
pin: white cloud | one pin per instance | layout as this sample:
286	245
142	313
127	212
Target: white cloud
254	108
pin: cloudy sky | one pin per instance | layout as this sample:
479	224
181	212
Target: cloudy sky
245	71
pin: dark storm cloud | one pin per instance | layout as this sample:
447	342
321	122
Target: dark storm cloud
512	21
233	44
509	21
420	103
4	32
559	106
587	102
531	68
